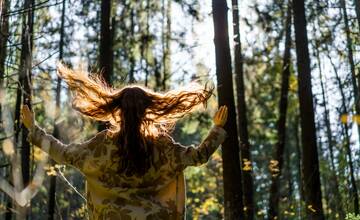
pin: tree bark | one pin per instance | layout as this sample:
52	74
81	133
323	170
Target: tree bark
132	55
25	68
349	45
338	200
298	160
167	46
106	42
231	162
310	160
354	190
281	124
106	57
24	94
4	33
245	155
357	10
52	188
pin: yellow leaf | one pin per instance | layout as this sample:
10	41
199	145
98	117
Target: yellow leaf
51	171
39	155
310	207
344	118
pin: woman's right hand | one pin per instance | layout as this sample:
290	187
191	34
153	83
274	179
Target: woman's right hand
27	117
220	116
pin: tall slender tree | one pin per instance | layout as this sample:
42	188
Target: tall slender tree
166	43
24	96
52	188
132	52
310	160
26	68
4	34
106	57
337	202
281	123
245	156
349	46
357	10
344	110
230	151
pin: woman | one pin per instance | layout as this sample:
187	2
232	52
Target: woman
134	169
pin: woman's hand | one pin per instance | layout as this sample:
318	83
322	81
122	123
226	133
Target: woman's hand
220	116
27	117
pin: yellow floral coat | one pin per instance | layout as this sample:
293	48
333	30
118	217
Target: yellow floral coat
159	194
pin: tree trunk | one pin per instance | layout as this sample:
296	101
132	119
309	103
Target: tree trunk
132	55
337	201
146	42
310	160
4	32
245	156
167	46
354	190
52	188
106	42
24	91
357	10
281	125
25	68
106	57
298	160
231	163
349	46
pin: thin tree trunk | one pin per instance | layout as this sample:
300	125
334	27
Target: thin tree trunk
354	190
146	42
338	201
167	48
132	55
357	10
281	124
25	68
231	163
4	33
288	177
24	90
349	45
106	57
245	156
298	160
310	160
106	41
52	188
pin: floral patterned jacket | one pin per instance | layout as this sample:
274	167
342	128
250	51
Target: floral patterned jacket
159	194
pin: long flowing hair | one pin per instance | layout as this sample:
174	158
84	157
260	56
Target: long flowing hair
135	113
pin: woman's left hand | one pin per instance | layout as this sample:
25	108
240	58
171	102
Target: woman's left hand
27	117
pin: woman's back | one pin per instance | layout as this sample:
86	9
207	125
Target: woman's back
158	194
122	196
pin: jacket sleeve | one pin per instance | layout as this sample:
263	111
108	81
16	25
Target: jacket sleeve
183	156
73	154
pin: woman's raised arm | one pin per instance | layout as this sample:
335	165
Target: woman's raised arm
73	154
183	156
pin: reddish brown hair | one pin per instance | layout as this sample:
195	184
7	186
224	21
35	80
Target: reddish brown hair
137	114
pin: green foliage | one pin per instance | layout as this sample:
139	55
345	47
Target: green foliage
352	216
